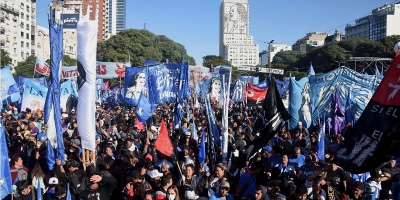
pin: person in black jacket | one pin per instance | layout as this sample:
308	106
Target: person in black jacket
100	186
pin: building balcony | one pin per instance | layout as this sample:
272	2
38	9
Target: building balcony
5	7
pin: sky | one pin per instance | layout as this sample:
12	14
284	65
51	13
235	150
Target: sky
195	23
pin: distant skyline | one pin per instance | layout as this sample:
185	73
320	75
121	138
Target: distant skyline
195	23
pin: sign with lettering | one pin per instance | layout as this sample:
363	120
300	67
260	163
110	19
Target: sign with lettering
376	136
261	69
104	70
70	20
34	96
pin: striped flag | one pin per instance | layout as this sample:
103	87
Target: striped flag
87	44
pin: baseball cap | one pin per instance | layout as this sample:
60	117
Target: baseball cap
225	184
16	109
53	181
268	148
376	173
73	110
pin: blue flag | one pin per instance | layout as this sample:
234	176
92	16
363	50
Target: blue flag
13	89
5	172
39	190
144	109
377	72
52	108
178	112
202	149
212	123
68	196
194	132
311	70
50	157
321	142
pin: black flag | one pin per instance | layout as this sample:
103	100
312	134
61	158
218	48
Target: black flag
275	114
376	135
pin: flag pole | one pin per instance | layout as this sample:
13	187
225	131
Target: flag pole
84	159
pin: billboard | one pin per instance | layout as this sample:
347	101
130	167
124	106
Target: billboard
69	20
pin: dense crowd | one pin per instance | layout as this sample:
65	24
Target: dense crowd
127	166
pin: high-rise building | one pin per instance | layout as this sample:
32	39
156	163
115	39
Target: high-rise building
18	29
383	21
117	16
235	43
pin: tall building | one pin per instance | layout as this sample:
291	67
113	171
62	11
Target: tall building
18	29
383	21
235	43
117	16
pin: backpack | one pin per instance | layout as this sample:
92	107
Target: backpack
78	182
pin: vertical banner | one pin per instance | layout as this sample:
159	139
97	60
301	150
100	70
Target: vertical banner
375	138
5	172
69	96
299	102
52	111
87	44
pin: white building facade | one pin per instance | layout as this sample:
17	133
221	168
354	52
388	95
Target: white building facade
383	21
18	29
235	43
275	48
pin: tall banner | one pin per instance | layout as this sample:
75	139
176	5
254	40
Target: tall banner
158	83
34	96
299	102
5	172
6	84
375	138
52	110
87	44
225	73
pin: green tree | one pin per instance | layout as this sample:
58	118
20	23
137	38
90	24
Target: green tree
214	61
139	46
68	61
26	68
5	59
287	57
388	45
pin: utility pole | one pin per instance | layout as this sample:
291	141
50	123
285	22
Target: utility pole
269	54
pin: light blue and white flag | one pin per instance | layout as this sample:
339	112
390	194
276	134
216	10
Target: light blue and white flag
5	172
321	142
299	102
34	96
6	82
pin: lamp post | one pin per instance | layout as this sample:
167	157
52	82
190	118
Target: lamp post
269	54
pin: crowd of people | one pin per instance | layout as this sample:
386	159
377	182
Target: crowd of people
127	166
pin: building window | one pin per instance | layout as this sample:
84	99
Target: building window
27	36
22	44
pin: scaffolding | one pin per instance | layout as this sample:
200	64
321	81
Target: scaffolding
368	64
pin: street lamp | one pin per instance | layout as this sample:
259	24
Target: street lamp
269	55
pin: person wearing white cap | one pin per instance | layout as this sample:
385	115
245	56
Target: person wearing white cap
51	190
223	192
303	130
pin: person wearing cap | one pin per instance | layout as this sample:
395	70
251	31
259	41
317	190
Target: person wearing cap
356	191
50	193
303	130
101	185
15	114
223	192
373	184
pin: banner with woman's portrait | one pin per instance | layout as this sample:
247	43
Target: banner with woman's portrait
196	76
160	83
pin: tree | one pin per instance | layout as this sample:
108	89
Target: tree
68	61
287	57
26	68
214	61
4	58
139	46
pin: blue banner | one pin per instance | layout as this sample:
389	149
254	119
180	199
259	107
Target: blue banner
5	173
69	95
159	83
299	102
39	81
6	82
213	85
322	86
